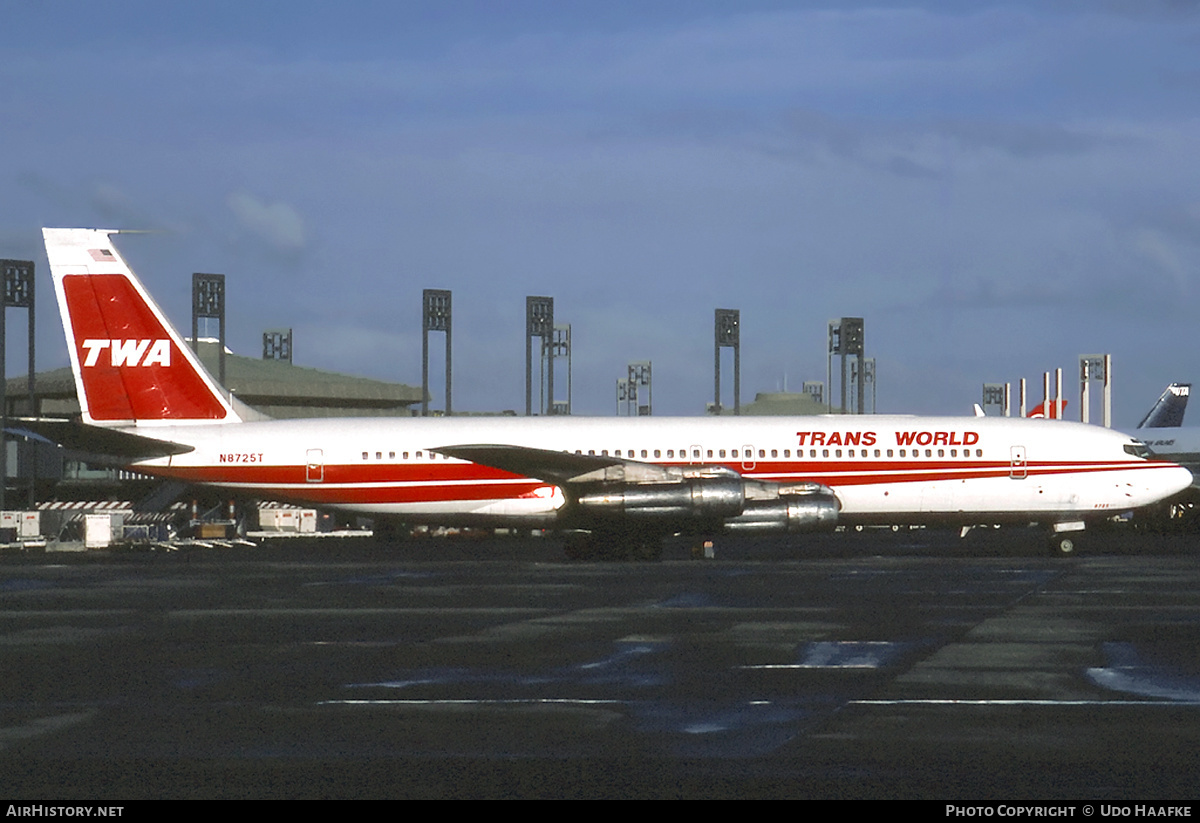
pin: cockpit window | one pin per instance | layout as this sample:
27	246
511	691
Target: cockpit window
1138	449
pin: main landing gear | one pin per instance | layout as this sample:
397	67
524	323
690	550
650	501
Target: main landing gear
614	545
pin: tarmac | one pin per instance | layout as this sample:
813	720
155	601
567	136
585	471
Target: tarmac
880	665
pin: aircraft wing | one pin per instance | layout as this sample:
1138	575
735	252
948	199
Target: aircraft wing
80	437
610	490
559	467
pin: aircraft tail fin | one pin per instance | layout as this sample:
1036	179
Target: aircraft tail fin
1167	413
131	366
1057	408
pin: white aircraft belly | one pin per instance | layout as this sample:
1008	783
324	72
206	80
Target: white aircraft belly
1071	494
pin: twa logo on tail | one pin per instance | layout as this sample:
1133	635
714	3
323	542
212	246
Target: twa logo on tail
131	366
129	352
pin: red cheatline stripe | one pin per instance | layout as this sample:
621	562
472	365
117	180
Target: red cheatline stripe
469	473
414	484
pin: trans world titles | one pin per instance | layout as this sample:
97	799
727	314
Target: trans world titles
870	438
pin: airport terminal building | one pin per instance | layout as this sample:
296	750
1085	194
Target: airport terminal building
276	388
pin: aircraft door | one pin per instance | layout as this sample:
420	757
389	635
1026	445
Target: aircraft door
314	469
1017	466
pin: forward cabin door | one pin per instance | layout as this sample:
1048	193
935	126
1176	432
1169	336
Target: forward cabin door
314	468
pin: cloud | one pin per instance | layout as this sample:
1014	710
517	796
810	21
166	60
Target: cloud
277	224
1155	246
1024	140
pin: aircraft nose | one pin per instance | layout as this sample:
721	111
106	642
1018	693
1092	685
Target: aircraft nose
1181	478
1169	480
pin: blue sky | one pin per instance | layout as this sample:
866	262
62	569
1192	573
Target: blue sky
995	187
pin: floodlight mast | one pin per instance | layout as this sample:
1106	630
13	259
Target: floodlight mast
436	315
727	334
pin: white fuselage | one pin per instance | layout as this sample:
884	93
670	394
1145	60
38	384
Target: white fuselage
881	468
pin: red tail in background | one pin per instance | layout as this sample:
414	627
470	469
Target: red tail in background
1057	407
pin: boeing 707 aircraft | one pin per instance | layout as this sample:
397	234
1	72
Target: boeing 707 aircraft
619	484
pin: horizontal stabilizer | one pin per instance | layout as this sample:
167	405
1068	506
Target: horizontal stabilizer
80	437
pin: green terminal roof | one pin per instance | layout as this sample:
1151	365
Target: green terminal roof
274	387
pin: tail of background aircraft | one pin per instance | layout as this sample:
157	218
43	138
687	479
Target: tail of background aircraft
1167	413
1057	407
131	366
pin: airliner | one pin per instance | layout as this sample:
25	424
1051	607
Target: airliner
1167	412
617	486
1163	432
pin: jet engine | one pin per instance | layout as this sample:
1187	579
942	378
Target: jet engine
740	505
701	497
808	508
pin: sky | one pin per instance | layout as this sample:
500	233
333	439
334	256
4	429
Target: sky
995	187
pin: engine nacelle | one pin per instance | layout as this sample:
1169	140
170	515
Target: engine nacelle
703	497
809	512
